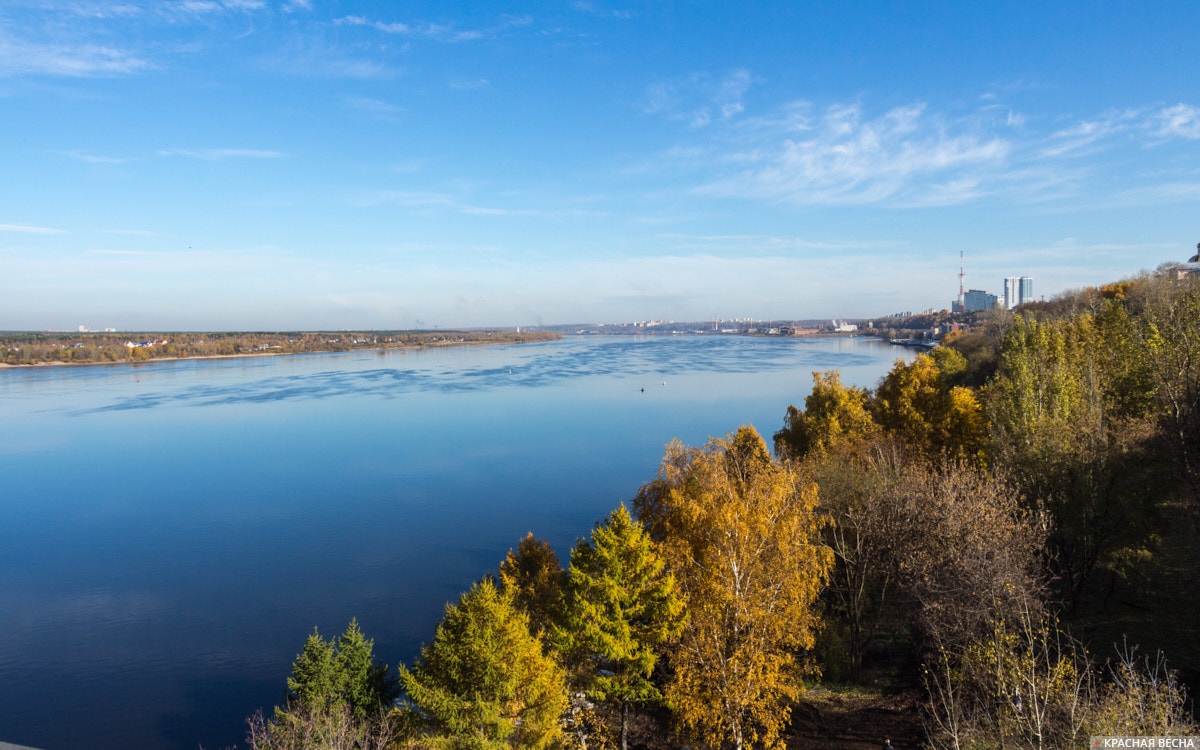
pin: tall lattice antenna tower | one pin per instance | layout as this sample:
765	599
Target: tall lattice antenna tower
961	276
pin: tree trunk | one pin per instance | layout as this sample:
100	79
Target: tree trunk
624	725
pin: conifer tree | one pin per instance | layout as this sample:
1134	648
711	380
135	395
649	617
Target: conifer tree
341	673
312	681
484	681
365	685
620	606
534	577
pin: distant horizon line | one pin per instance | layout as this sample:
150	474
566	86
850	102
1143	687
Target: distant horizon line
645	324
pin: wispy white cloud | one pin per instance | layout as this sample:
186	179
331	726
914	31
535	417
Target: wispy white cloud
198	6
597	10
439	32
221	154
469	84
18	57
913	156
202	7
1089	135
90	38
700	98
293	6
374	106
1181	120
306	55
844	157
89	158
952	192
28	229
100	10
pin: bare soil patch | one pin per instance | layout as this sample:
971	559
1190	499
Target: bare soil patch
860	719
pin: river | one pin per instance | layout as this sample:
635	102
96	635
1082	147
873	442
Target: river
171	532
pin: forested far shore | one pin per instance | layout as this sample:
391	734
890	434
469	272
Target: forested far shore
1002	530
55	348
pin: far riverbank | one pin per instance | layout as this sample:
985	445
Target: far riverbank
91	348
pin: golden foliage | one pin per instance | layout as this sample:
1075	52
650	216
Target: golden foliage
533	576
918	403
741	533
834	414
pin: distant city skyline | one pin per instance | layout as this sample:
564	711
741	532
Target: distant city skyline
322	164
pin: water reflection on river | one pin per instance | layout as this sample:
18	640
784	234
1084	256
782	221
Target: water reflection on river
171	532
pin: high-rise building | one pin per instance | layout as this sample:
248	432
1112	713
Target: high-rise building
1017	291
1012	292
977	300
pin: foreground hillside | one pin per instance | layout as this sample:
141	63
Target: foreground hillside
993	548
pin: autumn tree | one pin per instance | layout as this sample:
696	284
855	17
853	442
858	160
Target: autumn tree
485	681
833	414
1028	684
619	608
741	534
1023	684
918	403
1068	420
534	577
969	549
868	537
1169	335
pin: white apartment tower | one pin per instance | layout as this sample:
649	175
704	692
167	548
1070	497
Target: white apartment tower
1017	291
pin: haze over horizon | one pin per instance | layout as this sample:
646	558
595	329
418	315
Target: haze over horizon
320	164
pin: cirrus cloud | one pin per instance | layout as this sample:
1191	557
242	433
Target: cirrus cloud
1182	120
28	229
841	157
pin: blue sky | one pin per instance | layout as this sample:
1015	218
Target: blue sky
288	164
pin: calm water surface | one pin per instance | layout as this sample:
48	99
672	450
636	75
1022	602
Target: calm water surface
171	532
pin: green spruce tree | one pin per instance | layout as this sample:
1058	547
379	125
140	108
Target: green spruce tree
313	682
485	681
341	673
619	608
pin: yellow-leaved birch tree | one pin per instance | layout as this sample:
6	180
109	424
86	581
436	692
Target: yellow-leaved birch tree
741	534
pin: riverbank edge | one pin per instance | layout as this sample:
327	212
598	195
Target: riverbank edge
247	355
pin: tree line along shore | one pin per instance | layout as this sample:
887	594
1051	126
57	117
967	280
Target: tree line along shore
1004	529
54	348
